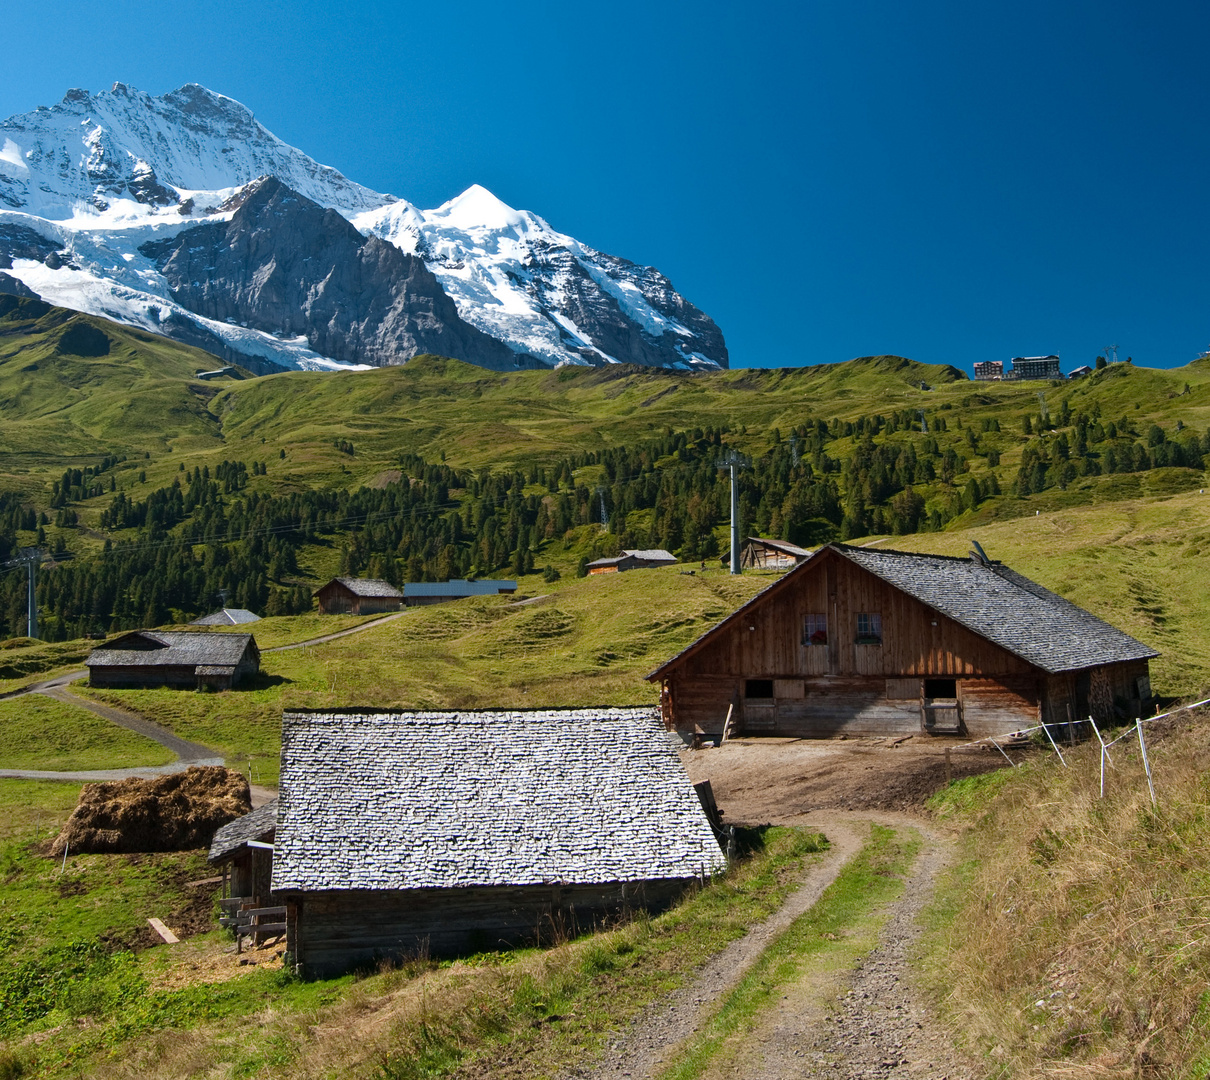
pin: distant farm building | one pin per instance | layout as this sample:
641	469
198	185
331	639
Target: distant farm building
635	559
462	832
197	659
358	596
1080	372
421	593
761	554
227	617
860	641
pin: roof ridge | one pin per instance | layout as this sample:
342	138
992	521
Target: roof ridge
912	554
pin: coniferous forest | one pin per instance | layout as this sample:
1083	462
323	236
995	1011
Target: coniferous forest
213	537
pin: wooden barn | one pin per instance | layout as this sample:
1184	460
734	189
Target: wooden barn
196	659
759	553
862	641
358	596
460	832
632	559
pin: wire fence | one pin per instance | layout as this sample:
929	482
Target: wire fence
1135	730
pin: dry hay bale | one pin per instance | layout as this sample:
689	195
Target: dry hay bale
168	813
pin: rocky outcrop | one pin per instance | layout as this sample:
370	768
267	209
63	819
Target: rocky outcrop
12	287
287	266
564	285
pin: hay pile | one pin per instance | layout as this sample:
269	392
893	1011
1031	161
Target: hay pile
169	813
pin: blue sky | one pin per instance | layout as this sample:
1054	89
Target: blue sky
948	181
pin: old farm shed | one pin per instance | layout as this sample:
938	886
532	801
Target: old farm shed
873	642
632	559
243	849
458	832
358	596
197	659
762	554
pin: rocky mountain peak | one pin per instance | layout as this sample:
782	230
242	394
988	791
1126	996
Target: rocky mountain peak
101	176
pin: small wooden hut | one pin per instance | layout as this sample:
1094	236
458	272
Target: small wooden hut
632	559
759	553
863	641
358	596
467	831
243	850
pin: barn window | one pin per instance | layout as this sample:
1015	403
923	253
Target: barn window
869	628
758	688
815	629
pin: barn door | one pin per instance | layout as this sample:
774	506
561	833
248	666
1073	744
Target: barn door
940	709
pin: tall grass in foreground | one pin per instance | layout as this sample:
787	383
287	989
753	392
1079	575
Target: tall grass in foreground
1074	939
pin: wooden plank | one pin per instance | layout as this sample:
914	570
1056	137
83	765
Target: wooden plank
251	912
203	881
271	929
163	931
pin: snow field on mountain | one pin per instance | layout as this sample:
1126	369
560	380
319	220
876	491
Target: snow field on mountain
103	174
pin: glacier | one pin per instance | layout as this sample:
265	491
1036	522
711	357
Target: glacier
87	183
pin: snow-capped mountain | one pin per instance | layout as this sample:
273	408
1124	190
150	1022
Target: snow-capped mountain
155	211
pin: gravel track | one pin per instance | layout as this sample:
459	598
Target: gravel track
642	1050
869	1023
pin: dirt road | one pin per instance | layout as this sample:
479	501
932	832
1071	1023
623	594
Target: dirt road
868	1023
775	780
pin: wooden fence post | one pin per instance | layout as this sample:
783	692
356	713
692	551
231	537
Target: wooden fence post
949	772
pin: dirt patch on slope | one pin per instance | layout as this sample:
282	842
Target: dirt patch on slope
769	780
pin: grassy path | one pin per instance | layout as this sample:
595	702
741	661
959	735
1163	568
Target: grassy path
760	1026
672	1020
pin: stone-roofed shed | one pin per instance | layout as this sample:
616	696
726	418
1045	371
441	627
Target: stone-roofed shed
237	849
865	641
197	659
457	831
358	596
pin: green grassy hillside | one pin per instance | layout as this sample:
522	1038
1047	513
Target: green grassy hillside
262	488
73	387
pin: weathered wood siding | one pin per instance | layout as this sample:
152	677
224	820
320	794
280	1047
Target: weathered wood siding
999	705
769	645
336	599
862	689
251	873
329	933
127	676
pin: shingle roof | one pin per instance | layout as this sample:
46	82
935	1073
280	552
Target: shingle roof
995	602
227	617
650	554
611	560
235	834
1005	607
454	799
171	648
369	586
